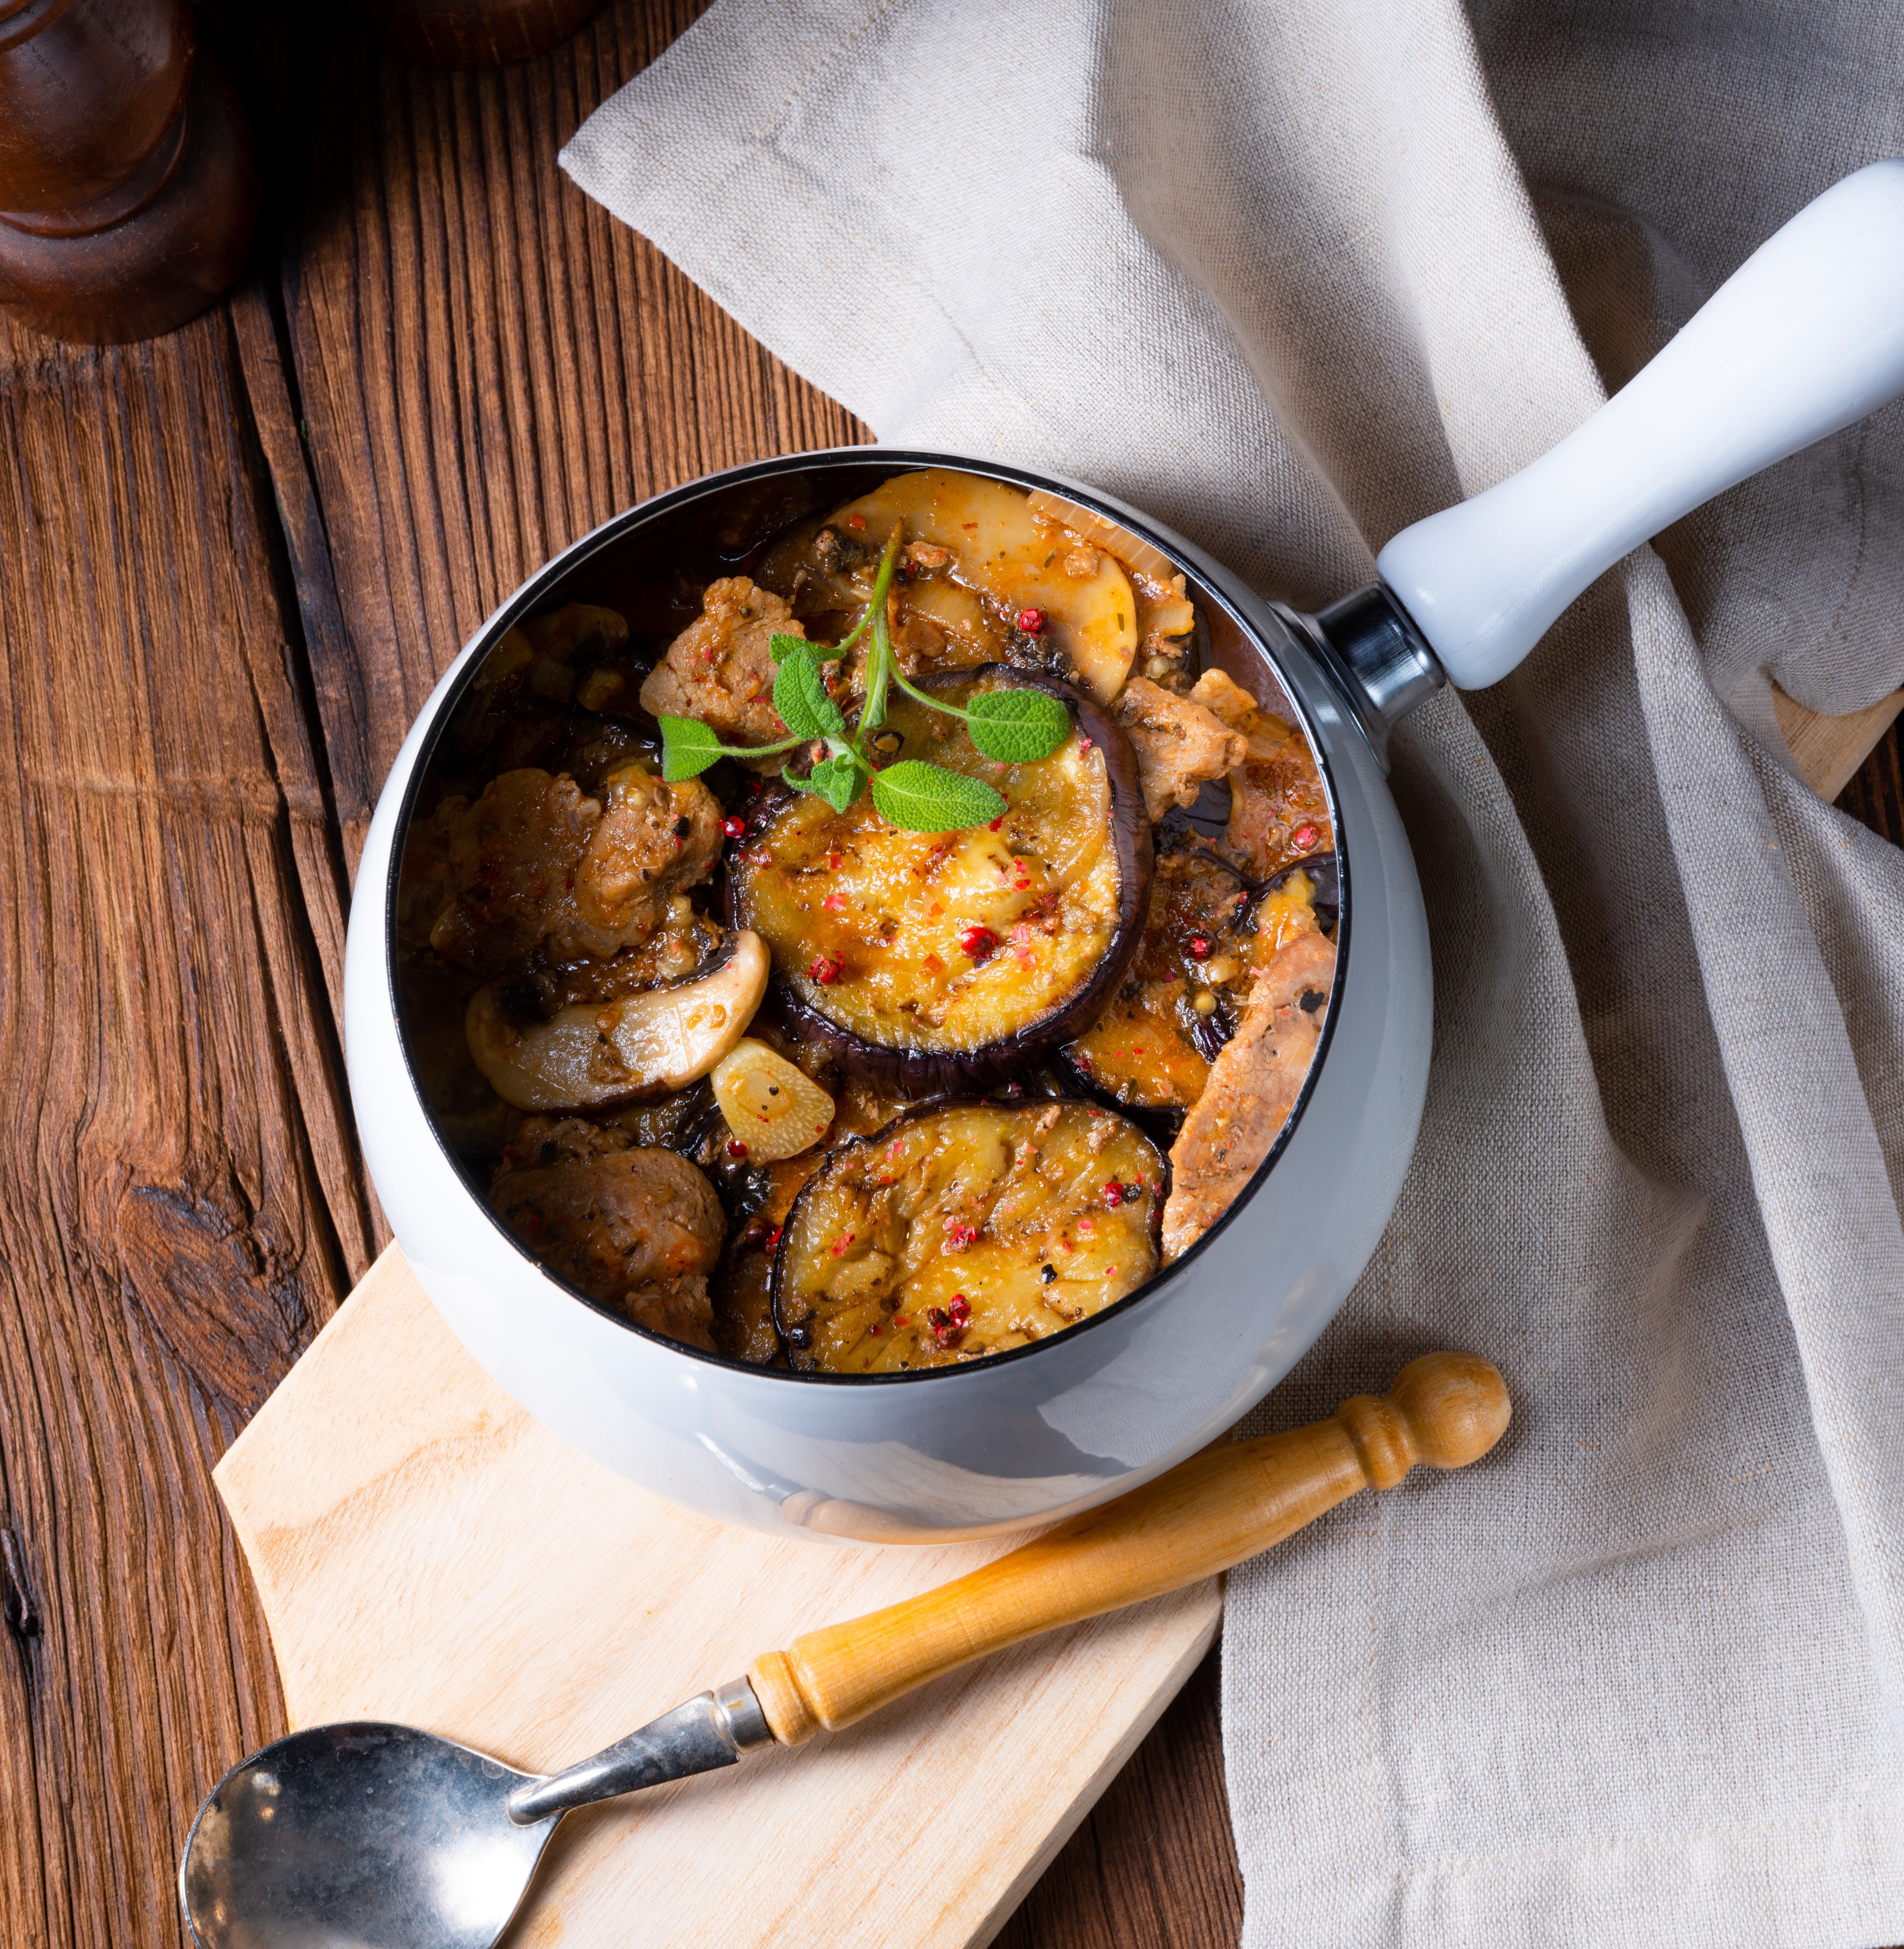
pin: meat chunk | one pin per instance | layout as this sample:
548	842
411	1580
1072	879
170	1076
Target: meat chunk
504	865
654	840
1253	1085
636	1230
534	863
1219	694
1180	746
719	668
562	631
1278	813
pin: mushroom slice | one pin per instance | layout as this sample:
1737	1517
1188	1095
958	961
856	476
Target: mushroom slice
1024	561
592	1054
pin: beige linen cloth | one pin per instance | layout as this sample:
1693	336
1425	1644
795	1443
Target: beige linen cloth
1290	275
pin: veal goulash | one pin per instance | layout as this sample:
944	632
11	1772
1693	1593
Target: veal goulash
897	966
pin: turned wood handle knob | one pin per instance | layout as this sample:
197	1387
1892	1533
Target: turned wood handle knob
1226	1504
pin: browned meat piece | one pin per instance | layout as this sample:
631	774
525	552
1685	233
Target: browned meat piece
1180	746
636	1230
681	1309
508	863
654	840
564	631
718	668
534	863
1252	1088
1279	813
1220	693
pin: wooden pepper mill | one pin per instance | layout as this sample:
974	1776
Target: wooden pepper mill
128	184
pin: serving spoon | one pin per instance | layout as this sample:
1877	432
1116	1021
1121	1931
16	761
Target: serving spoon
368	1835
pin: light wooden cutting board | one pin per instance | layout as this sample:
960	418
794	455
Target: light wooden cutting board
425	1552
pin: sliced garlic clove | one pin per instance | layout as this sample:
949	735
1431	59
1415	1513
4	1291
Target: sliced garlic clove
774	1108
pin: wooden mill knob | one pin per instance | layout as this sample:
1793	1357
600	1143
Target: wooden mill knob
128	187
1228	1503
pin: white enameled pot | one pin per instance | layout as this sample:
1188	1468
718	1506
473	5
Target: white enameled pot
1807	337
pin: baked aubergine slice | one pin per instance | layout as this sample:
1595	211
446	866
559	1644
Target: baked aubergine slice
964	1229
940	961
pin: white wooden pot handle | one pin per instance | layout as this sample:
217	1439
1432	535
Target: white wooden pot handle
1806	336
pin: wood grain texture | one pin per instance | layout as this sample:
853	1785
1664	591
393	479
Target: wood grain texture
428	1552
473	33
180	1203
1875	796
1831	751
1155	1866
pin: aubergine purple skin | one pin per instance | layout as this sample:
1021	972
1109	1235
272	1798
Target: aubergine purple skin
932	1073
1160	1122
911	1115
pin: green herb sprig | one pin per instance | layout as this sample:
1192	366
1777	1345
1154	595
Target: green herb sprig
1010	726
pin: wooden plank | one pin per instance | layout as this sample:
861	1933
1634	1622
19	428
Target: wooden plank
326	662
1156	1863
179	1191
428	1552
1875	796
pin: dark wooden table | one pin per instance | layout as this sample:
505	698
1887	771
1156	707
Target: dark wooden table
232	562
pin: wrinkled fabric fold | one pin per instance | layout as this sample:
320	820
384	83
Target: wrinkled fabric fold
1290	277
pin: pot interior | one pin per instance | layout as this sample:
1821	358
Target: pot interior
650	567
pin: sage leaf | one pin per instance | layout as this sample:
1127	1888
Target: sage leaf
688	748
780	647
925	797
838	780
1016	727
800	697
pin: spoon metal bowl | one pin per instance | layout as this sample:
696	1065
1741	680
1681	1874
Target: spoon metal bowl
360	1833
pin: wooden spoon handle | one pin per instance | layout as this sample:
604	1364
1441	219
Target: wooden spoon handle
1215	1510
